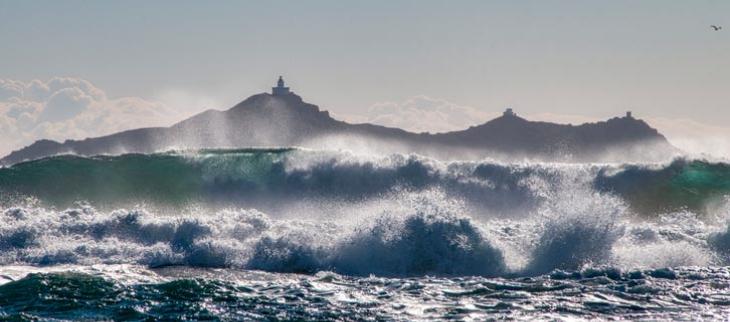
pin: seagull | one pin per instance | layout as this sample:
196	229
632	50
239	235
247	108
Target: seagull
716	28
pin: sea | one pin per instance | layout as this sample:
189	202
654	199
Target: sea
293	234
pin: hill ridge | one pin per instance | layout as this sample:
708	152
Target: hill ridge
287	120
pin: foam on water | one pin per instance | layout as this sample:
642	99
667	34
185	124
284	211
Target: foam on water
428	235
395	231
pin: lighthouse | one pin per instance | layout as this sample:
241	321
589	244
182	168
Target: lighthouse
280	89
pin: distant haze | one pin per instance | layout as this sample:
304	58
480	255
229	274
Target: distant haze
422	65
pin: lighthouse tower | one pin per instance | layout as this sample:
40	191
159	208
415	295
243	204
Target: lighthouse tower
280	89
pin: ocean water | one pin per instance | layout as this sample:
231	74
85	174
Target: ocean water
295	234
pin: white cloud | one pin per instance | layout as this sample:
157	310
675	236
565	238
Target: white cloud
10	88
426	114
65	104
71	108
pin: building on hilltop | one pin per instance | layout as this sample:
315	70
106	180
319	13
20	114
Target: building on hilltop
280	89
509	112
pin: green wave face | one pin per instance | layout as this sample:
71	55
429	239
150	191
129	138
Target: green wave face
683	185
701	182
158	178
699	177
264	177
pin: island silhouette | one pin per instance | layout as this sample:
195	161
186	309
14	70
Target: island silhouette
282	119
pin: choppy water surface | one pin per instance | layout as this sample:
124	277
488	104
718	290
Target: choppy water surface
112	292
290	234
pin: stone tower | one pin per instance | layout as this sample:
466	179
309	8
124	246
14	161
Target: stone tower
280	89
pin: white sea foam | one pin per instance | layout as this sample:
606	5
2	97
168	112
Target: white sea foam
400	215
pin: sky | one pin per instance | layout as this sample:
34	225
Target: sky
72	69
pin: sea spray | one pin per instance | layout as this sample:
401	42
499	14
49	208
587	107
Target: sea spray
203	234
271	179
578	226
429	237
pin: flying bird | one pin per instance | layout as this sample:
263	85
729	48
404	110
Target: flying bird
716	28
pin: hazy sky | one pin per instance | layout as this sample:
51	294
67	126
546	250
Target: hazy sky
580	58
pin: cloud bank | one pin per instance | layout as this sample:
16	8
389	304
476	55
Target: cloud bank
72	108
426	114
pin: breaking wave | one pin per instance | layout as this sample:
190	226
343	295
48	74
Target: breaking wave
398	215
423	238
257	178
399	245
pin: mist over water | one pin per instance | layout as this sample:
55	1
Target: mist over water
482	236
